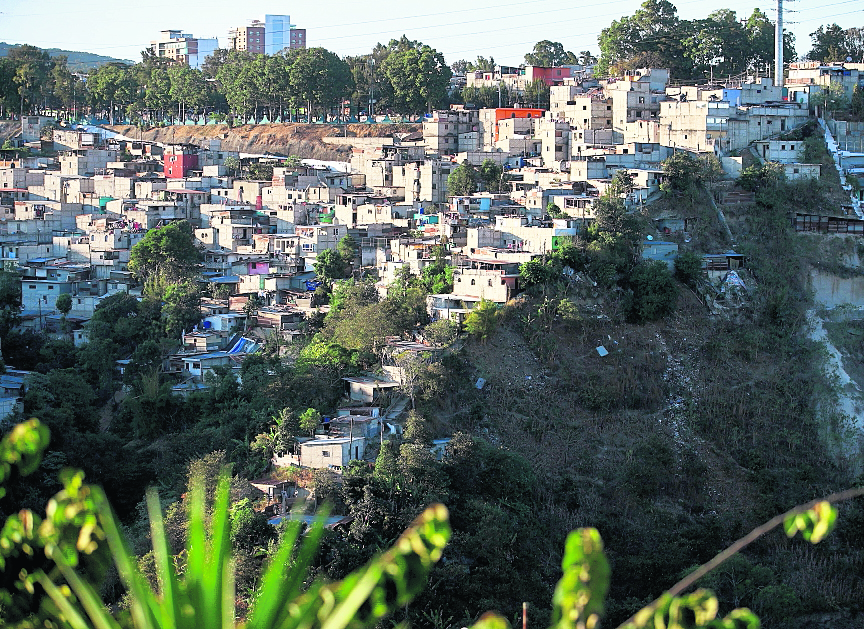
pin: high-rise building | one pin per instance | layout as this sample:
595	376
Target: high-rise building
183	47
281	34
298	38
250	38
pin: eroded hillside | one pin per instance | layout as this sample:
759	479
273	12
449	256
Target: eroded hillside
305	140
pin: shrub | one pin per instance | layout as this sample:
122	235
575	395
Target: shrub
483	320
688	268
654	292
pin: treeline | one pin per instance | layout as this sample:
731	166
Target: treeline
402	77
655	37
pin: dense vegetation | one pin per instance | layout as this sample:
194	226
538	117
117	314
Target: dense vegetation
655	37
405	76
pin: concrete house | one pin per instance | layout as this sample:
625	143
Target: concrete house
331	453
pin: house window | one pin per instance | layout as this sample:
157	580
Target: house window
584	107
473	282
31	286
79	301
782	147
325	453
791	147
196	365
50	287
795	170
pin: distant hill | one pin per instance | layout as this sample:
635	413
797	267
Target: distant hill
78	61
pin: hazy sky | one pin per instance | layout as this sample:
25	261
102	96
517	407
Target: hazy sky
461	30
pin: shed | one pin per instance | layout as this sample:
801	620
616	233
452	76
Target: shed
368	388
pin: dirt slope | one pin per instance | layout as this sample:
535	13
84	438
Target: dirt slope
9	128
284	139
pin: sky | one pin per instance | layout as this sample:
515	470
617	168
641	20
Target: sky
459	29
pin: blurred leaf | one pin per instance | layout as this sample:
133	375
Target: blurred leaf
813	524
491	620
579	595
22	447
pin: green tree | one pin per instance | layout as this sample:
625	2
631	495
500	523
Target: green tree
536	273
31	70
651	37
419	77
310	419
250	530
462	180
490	175
482	64
329	265
347	248
550	53
554	211
10	301
622	183
442	332
320	79
165	256
63	303
483	319
182	308
537	94
654	292
688	268
682	173
188	89
856	103
110	86
833	43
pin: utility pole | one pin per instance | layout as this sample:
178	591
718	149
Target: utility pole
778	46
371	88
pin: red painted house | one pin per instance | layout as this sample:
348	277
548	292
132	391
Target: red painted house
550	76
179	159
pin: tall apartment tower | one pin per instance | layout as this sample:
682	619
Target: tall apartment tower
183	47
250	38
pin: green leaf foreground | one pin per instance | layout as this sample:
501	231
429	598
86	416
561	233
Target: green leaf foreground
79	522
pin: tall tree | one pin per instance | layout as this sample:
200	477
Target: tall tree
419	78
320	79
182	308
550	53
463	180
482	64
491	176
651	37
537	94
111	85
832	43
165	256
32	66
